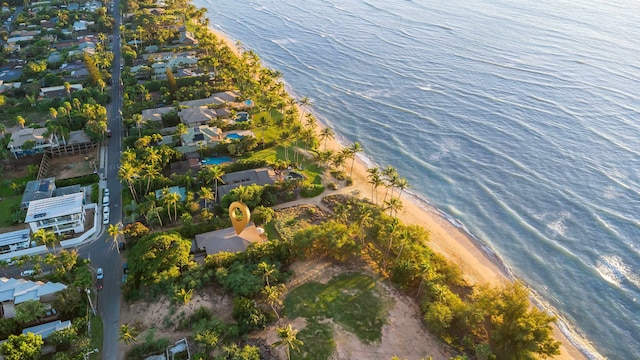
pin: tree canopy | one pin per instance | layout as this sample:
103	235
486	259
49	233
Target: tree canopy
158	257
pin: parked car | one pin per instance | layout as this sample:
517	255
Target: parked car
99	274
106	191
99	285
105	215
29	272
121	246
105	200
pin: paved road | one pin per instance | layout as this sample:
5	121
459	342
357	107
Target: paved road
102	251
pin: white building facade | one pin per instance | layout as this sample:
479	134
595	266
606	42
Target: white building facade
59	214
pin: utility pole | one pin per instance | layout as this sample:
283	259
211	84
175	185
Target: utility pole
93	309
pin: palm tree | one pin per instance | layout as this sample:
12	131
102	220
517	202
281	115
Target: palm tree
284	139
207	195
288	339
354	149
391	229
263	123
375	179
268	271
137	118
127	333
46	237
393	205
364	219
401	184
326	134
214	173
67	87
273	294
129	173
390	176
115	231
54	113
304	103
181	129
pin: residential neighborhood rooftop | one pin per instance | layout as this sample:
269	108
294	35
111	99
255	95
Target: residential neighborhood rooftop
54	207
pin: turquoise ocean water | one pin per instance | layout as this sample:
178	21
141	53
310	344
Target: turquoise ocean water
517	119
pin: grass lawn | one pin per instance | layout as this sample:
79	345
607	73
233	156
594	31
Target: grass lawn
5	188
352	300
318	342
97	334
6	204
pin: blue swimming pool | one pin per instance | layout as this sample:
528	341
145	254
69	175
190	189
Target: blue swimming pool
216	160
234	136
242	116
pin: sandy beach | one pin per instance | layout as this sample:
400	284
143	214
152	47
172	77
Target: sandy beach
445	238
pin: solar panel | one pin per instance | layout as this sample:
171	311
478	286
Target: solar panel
198	137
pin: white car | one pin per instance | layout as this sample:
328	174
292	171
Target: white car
29	272
105	215
99	274
105	200
106	192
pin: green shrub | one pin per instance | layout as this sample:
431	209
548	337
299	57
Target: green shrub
311	190
248	316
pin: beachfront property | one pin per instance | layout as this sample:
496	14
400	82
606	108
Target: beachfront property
17	291
260	176
59	214
226	240
15	240
200	115
37	190
29	141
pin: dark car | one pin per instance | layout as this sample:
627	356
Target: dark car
121	246
99	285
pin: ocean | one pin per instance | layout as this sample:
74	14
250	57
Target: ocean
516	119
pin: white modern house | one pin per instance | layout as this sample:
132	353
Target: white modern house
15	240
59	214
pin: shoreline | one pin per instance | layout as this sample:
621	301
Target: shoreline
476	260
479	264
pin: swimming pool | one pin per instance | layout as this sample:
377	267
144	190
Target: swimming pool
242	116
234	136
216	160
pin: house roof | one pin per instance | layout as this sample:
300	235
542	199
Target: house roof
232	180
15	237
77	137
226	240
197	115
215	99
72	189
21	290
155	114
202	133
47	329
38	189
54	207
19	138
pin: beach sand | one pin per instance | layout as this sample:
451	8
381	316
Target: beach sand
453	243
445	238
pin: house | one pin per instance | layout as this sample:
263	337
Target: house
17	291
37	190
216	99
34	136
67	190
54	92
187	38
192	164
5	86
47	329
226	240
81	25
59	214
201	136
197	116
155	114
15	240
260	176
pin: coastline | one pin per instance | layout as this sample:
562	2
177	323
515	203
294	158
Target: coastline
477	263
